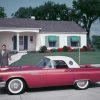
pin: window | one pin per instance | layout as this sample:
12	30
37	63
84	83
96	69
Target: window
74	44
31	38
59	64
44	63
74	41
52	44
52	41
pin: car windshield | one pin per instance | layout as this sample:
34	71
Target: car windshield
45	62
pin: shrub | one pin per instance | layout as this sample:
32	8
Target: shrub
60	49
81	49
65	49
85	48
75	50
54	50
43	49
69	49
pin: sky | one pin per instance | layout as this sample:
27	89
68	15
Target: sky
12	6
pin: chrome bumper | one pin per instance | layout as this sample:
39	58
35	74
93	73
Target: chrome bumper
2	84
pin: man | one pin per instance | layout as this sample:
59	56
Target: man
4	56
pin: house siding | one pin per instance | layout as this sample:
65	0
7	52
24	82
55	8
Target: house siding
63	39
6	38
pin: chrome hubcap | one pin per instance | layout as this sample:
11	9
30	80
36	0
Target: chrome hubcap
82	83
15	86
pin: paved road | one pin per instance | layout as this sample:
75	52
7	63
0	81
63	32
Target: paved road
56	93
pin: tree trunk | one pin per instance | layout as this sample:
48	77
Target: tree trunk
88	37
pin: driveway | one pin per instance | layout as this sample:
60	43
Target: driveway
56	93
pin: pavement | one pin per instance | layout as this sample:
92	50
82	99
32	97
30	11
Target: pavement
56	93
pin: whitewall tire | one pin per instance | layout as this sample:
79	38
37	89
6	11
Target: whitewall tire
82	84
15	86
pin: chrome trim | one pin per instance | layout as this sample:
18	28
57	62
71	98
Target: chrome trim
2	84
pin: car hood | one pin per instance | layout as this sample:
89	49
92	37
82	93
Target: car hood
18	68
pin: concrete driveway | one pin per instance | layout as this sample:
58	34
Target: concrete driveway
56	93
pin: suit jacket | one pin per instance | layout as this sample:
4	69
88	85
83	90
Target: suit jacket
4	58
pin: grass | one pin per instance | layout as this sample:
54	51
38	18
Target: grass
86	57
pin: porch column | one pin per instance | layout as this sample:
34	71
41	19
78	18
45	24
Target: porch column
17	41
38	42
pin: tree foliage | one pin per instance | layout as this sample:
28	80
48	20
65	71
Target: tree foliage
23	12
48	11
85	12
2	12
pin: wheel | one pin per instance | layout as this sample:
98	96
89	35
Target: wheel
82	84
15	86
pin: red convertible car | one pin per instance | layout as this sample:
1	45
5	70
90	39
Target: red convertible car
50	71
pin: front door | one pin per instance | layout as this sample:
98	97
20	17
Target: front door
14	42
23	42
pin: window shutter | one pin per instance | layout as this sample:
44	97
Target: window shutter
79	41
68	41
57	42
46	41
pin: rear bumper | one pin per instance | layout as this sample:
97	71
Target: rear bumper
2	84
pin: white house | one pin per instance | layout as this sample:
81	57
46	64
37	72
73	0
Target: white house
30	34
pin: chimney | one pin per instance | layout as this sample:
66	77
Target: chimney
33	17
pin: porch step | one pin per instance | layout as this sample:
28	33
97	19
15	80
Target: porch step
24	51
16	57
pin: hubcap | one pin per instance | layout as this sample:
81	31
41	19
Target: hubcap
15	86
82	84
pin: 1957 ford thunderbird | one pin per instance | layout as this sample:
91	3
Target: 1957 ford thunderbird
50	71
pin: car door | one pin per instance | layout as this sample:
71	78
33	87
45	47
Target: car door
60	74
39	77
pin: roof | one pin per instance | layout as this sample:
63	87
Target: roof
57	57
65	59
46	26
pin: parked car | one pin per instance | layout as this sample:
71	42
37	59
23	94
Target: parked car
50	71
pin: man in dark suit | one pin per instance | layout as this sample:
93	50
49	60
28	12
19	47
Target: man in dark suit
4	56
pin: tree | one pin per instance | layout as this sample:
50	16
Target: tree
23	13
85	12
2	13
48	11
52	11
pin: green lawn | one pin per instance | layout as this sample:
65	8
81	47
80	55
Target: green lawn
86	57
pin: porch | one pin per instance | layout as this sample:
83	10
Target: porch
20	40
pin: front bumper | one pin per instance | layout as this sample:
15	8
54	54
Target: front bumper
2	84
